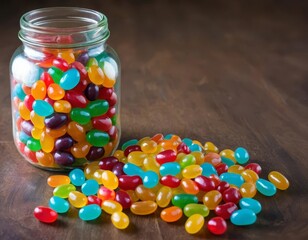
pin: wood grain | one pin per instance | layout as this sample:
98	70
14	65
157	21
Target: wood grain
232	72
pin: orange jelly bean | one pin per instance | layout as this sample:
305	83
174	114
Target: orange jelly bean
38	90
211	199
279	180
57	180
55	92
171	214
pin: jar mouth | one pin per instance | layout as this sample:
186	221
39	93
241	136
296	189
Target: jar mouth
63	27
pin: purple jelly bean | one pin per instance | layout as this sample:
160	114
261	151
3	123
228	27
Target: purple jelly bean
118	169
63	158
95	153
27	127
83	58
63	143
91	92
56	120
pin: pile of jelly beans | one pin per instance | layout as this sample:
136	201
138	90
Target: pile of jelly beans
65	108
180	176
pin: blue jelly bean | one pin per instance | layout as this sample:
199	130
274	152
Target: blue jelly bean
58	204
19	92
243	217
208	169
251	204
90	187
195	148
227	161
232	178
150	179
42	108
129	143
90	212
241	155
168	136
77	177
70	79
23	137
187	141
265	187
170	168
132	170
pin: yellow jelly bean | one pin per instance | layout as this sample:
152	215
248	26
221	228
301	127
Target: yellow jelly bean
38	90
119	154
197	142
96	75
148	146
110	180
57	180
77	199
23	111
150	163
62	106
97	175
144	193
90	169
191	171
164	196
248	190
238	169
199	156
194	223
47	142
36	133
279	180
45	159
120	220
211	199
228	153
143	207
136	158
210	147
133	195
250	176
37	120
110	206
67	55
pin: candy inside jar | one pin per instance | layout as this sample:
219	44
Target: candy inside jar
65	88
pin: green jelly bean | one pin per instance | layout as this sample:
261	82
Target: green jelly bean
97	138
80	115
181	200
187	160
64	190
97	107
114	120
91	62
56	74
34	144
194	208
129	143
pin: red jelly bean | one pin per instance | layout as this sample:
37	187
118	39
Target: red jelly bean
158	137
254	167
29	154
170	181
118	169
221	168
132	148
217	225
76	99
232	195
47	79
81	86
81	69
215	179
102	123
222	186
94	200
50	101
112	100
105	193
204	183
105	93
111	112
129	182
166	156
60	63
107	163
225	210
183	148
123	198
45	214
113	132
29	102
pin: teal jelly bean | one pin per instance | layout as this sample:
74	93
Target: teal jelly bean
64	190
90	212
97	138
70	79
23	137
194	208
168	136
58	204
195	148
187	141
181	200
80	115
129	143
208	169
42	108
19	92
34	144
252	204
243	217
97	107
227	161
265	187
77	177
131	170
241	155
56	74
170	168
232	178
188	160
150	179
90	187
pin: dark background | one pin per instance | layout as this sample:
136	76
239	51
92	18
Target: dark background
231	72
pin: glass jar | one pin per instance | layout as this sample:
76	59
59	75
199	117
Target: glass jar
65	88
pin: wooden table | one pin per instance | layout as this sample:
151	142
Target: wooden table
231	72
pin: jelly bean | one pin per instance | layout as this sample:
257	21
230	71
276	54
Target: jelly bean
189	186
149	163
279	180
105	193
33	144
130	149
81	116
107	163
221	168
254	167
90	212
170	168
60	63
113	133
47	142
150	179
83	58
238	169
29	100
62	106
248	190
76	99
45	214
132	195
148	146
36	133
19	92
225	210
181	200
56	120
92	91
208	169
212	158
97	107
243	217
195	148
211	199
183	148
129	182
76	131
80	149
45	159
164	196
95	153
241	155
95	200
63	191
129	143
46	78
166	156
227	161
131	170
63	158
91	62
249	175
229	154
187	141
231	195
56	133
120	220
217	225
210	147
57	180
136	158
90	187
67	55
70	79
170	181
23	137
30	155
194	223
26	127
97	138
77	199
215	179
97	175
124	199
158	137
204	183
55	92
110	180
192	171
145	194
232	178
110	74
89	170
143	207
194	208
102	123
58	204
38	90
42	108
265	187
55	73
24	111
251	203
96	75
187	160
171	214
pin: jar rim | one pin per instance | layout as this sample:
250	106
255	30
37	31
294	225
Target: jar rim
63	27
